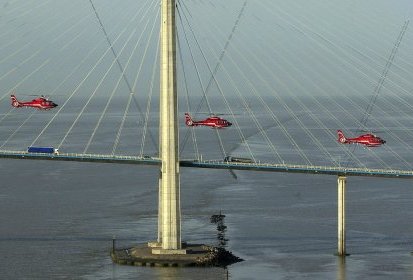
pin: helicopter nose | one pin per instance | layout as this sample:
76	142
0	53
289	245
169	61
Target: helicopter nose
229	123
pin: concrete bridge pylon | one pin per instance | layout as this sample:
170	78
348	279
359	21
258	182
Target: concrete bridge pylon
168	249
169	216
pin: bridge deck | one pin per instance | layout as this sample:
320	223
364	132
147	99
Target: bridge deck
214	164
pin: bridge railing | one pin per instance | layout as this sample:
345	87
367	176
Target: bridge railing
78	155
315	168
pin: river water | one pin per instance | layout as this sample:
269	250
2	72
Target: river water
58	220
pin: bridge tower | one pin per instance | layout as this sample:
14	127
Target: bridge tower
169	216
168	248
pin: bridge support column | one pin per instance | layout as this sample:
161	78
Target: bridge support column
341	216
169	221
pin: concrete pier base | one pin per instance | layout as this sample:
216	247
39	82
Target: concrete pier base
154	244
195	255
160	251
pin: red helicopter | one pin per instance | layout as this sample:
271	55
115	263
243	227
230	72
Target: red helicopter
369	140
41	103
213	121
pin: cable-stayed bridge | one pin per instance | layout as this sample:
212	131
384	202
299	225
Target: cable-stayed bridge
287	82
285	104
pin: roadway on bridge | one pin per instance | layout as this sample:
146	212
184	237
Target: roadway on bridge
213	164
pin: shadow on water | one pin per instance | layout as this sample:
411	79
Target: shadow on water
218	219
226	257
